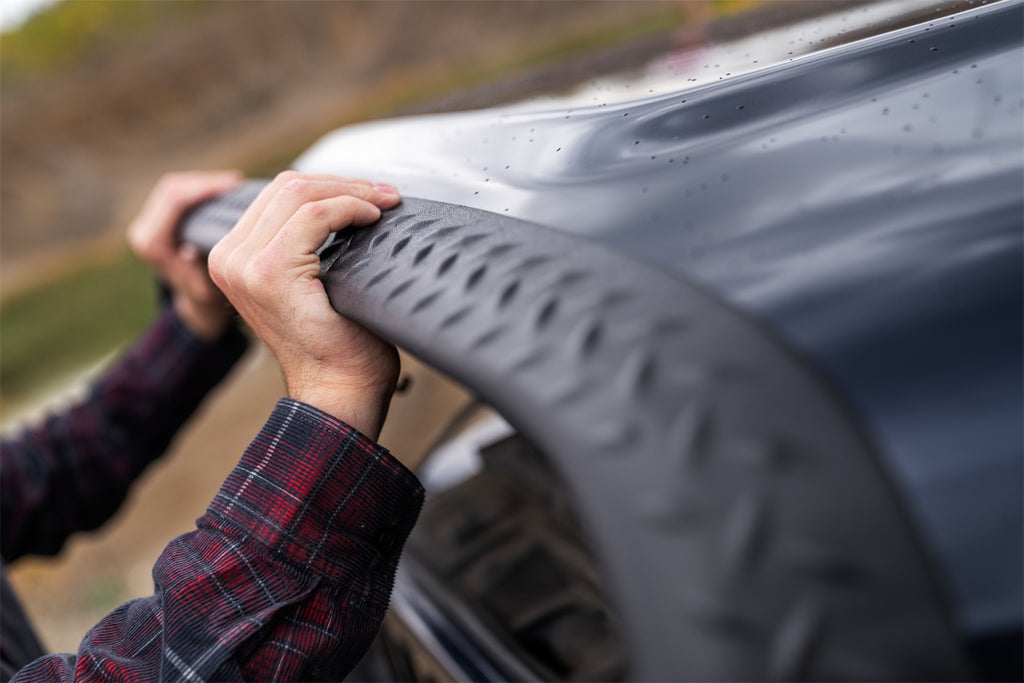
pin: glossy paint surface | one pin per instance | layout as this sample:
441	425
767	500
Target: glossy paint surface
864	201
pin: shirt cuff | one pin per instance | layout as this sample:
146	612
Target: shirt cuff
318	493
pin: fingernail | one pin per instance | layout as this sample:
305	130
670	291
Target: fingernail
385	188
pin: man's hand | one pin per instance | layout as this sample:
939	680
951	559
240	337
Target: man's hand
268	269
153	236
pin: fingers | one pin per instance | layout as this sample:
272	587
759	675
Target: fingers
267	267
152	234
313	223
290	219
289	191
176	192
304	196
255	210
290	254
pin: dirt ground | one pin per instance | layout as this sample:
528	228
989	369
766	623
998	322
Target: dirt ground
98	571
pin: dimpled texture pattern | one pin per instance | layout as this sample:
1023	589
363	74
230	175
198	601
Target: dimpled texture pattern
742	523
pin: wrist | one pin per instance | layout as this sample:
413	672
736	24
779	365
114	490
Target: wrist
208	322
360	402
360	409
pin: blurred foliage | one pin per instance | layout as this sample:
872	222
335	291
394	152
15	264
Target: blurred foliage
62	34
725	7
68	31
72	320
398	94
97	304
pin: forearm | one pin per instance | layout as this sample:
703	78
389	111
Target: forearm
286	577
72	472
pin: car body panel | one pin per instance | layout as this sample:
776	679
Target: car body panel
863	201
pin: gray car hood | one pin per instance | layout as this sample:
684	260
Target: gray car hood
863	200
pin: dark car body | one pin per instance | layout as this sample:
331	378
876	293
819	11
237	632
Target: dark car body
859	201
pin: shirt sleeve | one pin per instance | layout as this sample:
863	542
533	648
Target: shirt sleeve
286	577
72	472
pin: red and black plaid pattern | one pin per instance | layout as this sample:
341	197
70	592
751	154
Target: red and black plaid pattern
286	577
72	472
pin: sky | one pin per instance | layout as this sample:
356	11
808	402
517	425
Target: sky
14	12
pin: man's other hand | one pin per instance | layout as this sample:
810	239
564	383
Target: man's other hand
267	267
153	236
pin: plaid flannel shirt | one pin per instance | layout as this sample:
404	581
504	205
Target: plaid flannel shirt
287	575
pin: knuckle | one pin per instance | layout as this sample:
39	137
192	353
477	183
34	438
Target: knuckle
170	184
146	247
348	203
313	211
166	180
258	274
223	266
136	241
296	187
285	177
215	262
360	190
249	277
217	277
365	209
217	252
357	205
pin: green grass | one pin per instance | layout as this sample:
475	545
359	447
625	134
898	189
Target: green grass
61	325
64	33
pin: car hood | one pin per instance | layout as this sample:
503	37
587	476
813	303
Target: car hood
863	200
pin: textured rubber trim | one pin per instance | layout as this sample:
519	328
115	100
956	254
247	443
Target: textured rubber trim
744	527
208	222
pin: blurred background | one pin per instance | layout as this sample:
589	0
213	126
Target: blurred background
101	98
